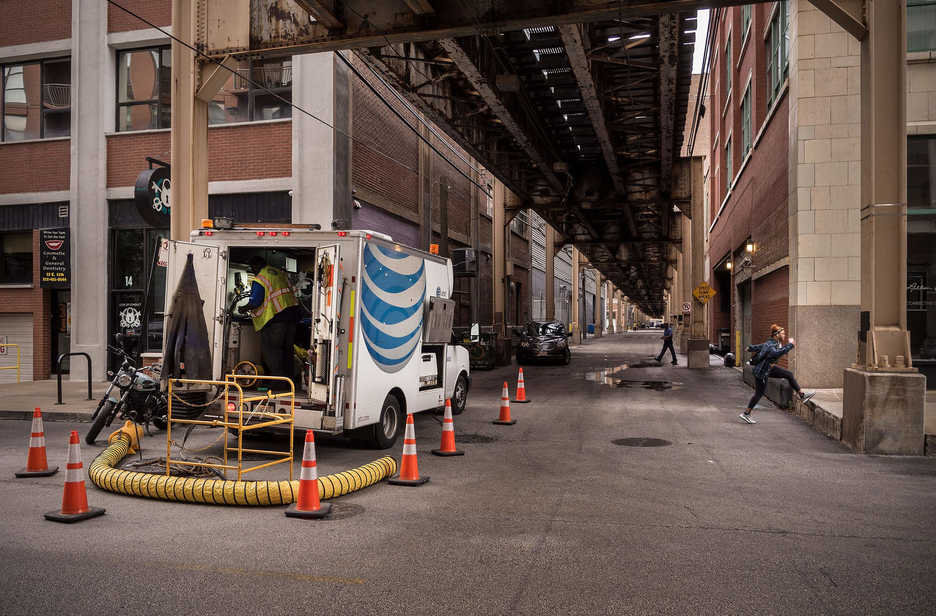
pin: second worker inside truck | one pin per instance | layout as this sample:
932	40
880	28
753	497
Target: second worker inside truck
275	312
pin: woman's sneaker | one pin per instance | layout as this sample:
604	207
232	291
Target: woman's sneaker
805	397
746	418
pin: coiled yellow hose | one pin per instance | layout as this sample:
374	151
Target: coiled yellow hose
104	475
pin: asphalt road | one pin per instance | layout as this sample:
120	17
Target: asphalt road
548	516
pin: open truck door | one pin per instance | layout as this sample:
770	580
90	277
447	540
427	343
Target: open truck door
330	313
210	275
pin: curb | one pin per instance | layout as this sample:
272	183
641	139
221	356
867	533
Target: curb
71	416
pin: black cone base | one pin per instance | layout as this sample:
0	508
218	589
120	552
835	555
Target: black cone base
68	518
520	401
45	473
439	452
407	482
323	510
504	423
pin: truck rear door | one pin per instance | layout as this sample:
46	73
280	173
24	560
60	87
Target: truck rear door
210	274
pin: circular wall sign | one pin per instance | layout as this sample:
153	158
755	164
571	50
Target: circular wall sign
151	194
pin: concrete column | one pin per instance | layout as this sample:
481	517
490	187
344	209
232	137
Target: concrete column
499	257
475	227
598	310
884	398
576	321
550	273
321	156
685	283
91	116
189	196
698	344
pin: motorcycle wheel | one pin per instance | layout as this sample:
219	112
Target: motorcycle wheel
100	421
160	422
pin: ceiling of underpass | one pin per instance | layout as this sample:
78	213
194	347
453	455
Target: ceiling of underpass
578	107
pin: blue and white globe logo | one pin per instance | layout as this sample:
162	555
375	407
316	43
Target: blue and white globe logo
392	305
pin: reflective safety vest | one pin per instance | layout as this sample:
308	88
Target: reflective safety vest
277	296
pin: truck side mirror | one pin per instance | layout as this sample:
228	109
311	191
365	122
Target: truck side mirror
475	332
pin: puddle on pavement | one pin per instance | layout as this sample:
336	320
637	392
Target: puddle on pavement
613	377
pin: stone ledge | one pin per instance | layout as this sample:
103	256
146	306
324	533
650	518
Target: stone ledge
929	445
778	390
781	394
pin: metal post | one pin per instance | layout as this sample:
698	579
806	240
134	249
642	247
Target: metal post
698	344
58	370
550	273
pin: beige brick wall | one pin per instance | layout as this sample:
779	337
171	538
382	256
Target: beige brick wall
824	164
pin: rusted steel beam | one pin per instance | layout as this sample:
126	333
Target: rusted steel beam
323	11
669	72
578	58
485	87
420	7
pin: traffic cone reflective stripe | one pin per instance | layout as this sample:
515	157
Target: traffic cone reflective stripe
409	466
74	498
308	505
447	448
521	389
36	462
504	418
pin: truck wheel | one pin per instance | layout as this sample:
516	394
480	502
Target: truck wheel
460	395
388	428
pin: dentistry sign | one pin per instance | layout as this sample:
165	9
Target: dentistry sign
54	259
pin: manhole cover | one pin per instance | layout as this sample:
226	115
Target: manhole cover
340	511
641	441
474	438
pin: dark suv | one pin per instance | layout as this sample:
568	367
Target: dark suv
543	340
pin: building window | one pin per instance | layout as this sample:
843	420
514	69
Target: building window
36	100
778	52
921	247
144	88
746	122
921	25
16	258
728	69
745	21
255	91
729	170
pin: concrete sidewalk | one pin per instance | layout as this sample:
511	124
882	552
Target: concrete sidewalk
18	400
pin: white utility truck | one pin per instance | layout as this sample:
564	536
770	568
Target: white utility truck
375	340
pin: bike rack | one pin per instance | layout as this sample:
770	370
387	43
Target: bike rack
234	420
58	369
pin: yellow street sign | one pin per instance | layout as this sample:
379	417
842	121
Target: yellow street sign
703	292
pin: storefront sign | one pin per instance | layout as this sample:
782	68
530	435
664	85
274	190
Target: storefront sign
151	194
54	262
162	260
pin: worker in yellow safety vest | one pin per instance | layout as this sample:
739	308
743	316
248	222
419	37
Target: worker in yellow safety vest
275	312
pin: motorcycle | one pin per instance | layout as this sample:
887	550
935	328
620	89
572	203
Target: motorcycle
134	394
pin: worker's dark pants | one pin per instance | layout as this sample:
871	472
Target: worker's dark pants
760	385
667	344
276	348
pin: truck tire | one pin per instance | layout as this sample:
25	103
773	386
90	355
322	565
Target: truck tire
460	395
388	428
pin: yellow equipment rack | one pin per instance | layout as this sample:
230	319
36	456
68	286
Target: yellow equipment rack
234	420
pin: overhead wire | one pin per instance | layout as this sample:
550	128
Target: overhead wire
282	99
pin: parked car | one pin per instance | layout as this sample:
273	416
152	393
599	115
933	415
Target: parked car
543	340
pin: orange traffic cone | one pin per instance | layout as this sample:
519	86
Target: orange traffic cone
521	390
447	448
308	505
36	464
409	466
504	418
75	499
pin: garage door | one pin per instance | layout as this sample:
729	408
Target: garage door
17	329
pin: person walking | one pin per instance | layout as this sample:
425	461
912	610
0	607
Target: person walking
276	314
667	343
765	355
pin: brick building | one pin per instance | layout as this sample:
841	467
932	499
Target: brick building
784	179
85	99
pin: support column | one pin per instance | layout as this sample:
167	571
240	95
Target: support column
597	308
575	322
424	197
475	225
698	344
685	284
88	185
884	397
499	258
189	150
550	273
